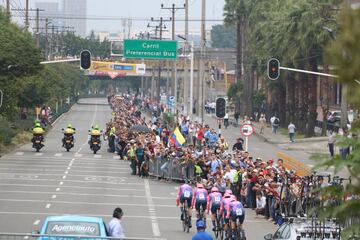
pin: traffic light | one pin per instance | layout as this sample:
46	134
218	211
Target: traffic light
273	69
85	59
220	107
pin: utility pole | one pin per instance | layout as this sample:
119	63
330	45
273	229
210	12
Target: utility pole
185	75
46	38
202	61
37	27
161	27
8	8
27	15
173	9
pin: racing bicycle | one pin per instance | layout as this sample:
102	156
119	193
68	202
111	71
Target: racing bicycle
219	230
186	220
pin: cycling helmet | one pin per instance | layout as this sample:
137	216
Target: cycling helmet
96	127
200	224
214	189
199	185
228	191
37	124
69	125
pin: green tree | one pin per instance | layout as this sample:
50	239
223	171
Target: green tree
344	55
18	58
223	36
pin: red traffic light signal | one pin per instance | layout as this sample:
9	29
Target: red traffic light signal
85	59
273	69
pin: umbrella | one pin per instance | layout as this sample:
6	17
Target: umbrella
139	128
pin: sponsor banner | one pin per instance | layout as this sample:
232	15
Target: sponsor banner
113	69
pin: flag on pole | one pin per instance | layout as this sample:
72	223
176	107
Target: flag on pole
177	138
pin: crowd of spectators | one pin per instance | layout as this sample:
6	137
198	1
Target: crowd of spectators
204	156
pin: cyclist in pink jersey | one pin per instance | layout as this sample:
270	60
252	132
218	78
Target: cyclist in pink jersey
214	204
185	193
200	198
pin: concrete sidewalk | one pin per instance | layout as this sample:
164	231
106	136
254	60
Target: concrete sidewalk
309	145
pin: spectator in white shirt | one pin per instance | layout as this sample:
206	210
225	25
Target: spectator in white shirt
291	129
260	203
115	227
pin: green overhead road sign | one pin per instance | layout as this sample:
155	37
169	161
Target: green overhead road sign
150	49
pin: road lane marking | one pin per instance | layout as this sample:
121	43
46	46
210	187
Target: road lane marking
121	181
90	203
66	172
38	154
58	155
53	196
36	222
64	177
78	155
87	194
116	157
61	183
48	205
107	215
68	168
19	153
97	156
151	206
75	187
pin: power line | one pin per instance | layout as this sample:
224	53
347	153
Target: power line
112	18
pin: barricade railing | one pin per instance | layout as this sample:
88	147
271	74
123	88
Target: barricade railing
171	168
30	236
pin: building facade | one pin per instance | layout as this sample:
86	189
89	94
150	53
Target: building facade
75	15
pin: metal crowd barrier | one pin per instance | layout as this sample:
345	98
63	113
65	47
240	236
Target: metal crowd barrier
171	169
22	236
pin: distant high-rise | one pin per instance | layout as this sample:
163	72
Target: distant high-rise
49	10
75	9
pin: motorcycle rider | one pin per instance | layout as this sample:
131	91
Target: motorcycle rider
94	132
38	130
69	131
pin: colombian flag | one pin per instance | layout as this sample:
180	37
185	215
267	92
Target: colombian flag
177	138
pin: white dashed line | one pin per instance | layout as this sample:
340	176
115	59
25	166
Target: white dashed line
66	172
19	153
115	157
97	156
58	189
68	168
36	222
61	183
38	154
48	205
53	196
58	155
78	155
64	177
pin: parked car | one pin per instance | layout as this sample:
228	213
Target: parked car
305	229
70	225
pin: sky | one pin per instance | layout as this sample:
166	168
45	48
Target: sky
141	11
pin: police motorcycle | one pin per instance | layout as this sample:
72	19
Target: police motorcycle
95	141
38	137
68	139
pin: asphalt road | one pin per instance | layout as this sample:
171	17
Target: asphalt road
55	182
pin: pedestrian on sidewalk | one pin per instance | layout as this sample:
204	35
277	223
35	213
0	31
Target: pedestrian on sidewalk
262	122
291	128
275	121
236	116
331	142
226	120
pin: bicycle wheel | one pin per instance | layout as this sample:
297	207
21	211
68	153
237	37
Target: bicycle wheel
216	232
219	227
